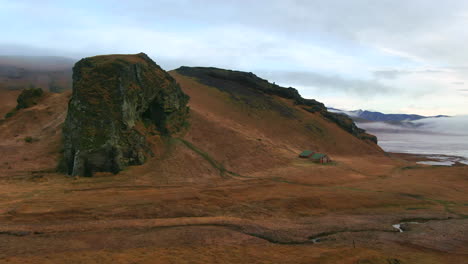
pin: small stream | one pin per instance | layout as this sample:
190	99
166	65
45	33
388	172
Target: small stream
400	227
315	240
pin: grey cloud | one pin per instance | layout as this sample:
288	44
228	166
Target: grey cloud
331	83
41	63
327	16
389	74
16	49
395	24
10	49
373	34
455	125
393	74
463	92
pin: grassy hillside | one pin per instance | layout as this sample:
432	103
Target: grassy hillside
256	93
231	189
249	129
240	128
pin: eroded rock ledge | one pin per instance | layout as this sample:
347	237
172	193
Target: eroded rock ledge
112	94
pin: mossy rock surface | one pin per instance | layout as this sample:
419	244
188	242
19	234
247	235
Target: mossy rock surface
111	94
29	97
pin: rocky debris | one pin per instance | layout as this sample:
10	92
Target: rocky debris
112	94
29	97
248	84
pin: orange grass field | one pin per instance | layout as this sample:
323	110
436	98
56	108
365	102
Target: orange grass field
229	190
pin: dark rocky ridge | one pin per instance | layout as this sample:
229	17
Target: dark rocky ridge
250	88
112	94
29	97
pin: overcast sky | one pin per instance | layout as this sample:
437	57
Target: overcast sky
399	56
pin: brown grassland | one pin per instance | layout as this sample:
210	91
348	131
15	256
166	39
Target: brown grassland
230	190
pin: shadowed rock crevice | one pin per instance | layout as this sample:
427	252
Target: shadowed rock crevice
112	94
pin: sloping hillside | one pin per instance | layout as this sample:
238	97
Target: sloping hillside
251	128
30	139
7	101
236	125
228	189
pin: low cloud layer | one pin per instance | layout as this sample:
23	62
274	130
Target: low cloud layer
452	125
335	83
455	126
431	136
393	74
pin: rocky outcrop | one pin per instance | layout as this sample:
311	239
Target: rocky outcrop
112	94
246	85
29	97
348	124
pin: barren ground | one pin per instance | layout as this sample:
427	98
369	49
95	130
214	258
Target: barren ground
268	217
248	201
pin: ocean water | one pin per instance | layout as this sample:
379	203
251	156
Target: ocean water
435	146
443	139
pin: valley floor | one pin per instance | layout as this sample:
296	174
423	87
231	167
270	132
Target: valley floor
301	212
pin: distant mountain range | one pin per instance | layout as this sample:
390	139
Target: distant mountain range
364	115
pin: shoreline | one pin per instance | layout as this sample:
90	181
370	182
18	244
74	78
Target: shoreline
431	159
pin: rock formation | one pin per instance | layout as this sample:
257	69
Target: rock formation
111	95
29	97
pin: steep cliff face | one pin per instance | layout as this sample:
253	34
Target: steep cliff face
111	94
